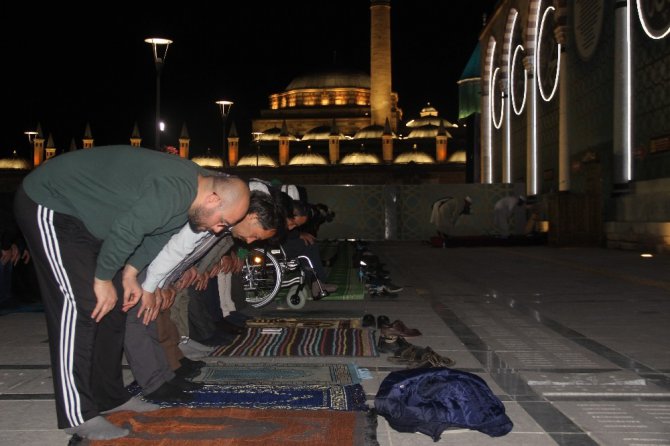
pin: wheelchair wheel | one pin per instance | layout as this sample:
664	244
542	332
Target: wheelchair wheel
262	278
296	298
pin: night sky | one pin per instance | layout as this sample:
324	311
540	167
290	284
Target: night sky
64	68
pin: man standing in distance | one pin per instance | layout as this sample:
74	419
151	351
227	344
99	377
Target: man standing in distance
93	219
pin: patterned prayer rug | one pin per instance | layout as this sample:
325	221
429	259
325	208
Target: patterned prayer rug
242	427
225	373
301	342
268	396
295	322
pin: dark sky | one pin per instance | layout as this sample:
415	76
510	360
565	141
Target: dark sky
66	68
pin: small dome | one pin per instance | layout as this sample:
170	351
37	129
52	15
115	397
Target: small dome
272	134
261	160
208	160
360	158
15	163
414	156
308	158
457	157
333	79
426	131
370	132
428	110
320	133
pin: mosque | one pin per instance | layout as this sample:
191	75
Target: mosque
333	125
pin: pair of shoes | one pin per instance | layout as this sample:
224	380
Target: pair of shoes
368	320
383	321
398	328
392	344
169	393
184	385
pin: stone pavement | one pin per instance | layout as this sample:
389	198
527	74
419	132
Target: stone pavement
574	341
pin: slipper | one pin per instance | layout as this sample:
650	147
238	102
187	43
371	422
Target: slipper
383	321
368	321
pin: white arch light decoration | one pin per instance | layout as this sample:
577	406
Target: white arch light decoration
525	82
645	26
546	97
491	98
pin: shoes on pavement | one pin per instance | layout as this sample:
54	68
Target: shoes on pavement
392	344
383	321
398	328
368	321
391	288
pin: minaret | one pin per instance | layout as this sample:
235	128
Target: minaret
387	143
135	138
50	150
88	137
334	143
380	61
73	145
184	142
38	147
233	146
283	144
441	144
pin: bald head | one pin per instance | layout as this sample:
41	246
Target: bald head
221	202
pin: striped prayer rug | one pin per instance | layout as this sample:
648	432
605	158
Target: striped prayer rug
301	342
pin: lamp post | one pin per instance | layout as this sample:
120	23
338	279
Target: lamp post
257	138
225	107
31	134
160	47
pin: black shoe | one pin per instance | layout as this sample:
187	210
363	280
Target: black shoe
368	321
169	393
392	344
184	385
383	321
229	327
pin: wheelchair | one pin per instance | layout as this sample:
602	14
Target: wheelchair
266	271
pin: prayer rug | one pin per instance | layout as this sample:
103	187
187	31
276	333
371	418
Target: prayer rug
295	322
345	276
242	427
301	342
264	396
225	373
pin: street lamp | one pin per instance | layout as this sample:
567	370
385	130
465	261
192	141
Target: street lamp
160	47
225	110
257	138
31	134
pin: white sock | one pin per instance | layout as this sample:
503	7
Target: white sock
97	428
